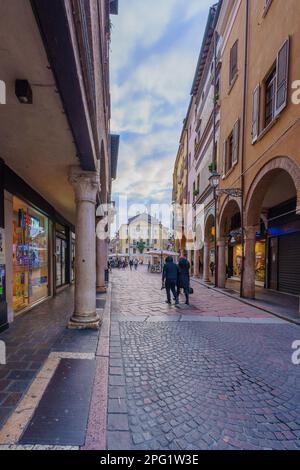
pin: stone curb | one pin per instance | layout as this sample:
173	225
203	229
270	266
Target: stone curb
96	435
248	302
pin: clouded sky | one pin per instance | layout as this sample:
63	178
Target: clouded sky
154	52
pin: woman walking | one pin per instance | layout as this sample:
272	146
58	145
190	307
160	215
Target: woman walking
184	277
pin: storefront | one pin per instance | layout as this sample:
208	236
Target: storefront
284	249
235	257
30	255
61	255
73	257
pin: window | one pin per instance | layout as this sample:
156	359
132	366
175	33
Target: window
217	96
275	93
231	149
270	90
267	4
233	67
229	152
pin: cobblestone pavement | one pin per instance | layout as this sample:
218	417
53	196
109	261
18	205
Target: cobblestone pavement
198	384
139	293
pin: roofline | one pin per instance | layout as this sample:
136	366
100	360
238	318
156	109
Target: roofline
212	19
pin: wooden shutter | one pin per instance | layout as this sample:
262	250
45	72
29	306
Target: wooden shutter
282	70
236	141
224	158
255	113
233	62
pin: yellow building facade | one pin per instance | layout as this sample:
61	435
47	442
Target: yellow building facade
259	232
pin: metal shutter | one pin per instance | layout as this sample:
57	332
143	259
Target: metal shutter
289	264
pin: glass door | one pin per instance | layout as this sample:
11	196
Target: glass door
61	261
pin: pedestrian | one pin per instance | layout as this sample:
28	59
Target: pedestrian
212	267
109	266
131	264
149	265
184	277
136	263
170	279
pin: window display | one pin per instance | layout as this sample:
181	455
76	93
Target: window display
30	255
61	260
260	260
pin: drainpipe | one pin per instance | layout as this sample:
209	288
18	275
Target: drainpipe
215	156
242	183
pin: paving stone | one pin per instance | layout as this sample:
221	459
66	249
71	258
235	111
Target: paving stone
119	440
118	422
117	405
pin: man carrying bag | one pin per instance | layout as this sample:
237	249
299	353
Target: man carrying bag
184	278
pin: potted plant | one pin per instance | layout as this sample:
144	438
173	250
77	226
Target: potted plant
212	167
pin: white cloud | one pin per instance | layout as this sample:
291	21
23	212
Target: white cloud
150	88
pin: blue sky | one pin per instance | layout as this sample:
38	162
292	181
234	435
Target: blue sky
154	52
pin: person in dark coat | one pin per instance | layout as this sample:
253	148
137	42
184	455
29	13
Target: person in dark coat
170	278
184	278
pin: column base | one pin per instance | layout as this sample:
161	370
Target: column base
88	323
101	289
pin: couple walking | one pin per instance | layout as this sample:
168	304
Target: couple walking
176	277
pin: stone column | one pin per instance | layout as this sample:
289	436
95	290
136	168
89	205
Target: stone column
101	264
249	262
86	185
206	262
196	263
221	262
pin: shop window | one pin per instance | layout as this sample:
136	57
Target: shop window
73	259
61	261
30	255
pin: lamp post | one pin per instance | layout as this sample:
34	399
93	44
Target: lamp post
214	180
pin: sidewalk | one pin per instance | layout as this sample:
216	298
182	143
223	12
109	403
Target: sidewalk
281	305
47	382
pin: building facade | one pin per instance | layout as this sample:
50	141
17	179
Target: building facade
180	189
260	229
57	158
142	234
201	134
251	230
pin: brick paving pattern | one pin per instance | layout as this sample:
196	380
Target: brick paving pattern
198	384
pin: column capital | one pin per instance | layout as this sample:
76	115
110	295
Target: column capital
86	184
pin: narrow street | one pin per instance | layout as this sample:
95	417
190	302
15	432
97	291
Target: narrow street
149	230
215	376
